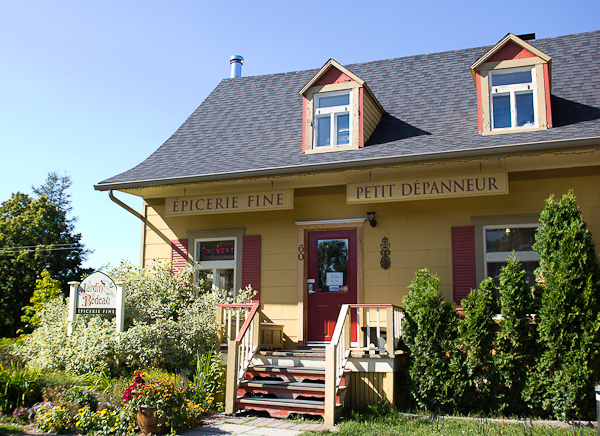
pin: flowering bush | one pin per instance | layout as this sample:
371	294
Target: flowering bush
55	420
169	400
20	414
83	397
168	323
105	422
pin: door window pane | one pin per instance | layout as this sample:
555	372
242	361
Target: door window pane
332	265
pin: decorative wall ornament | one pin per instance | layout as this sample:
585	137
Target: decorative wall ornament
385	253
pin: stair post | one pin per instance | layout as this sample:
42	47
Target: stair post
330	379
232	376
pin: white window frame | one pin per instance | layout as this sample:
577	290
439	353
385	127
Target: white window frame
512	91
502	256
216	265
333	112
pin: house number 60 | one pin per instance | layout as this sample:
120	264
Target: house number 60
300	252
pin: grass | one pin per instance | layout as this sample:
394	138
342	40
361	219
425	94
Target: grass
11	430
378	423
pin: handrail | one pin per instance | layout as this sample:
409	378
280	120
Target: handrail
337	352
241	350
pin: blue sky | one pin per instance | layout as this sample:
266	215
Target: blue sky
91	88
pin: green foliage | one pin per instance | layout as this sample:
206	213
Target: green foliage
81	396
170	324
54	420
30	234
514	343
478	335
55	190
562	383
18	387
46	289
430	333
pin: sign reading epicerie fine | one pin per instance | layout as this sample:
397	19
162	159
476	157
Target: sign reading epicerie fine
224	203
428	187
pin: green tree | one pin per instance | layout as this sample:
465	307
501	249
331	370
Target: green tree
34	235
55	190
477	331
430	333
46	289
515	342
562	382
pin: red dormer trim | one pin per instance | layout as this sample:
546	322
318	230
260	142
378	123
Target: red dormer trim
333	76
510	51
479	103
547	91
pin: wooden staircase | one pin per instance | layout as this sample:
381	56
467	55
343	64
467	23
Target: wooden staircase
285	382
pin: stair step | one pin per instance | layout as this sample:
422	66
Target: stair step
295	353
276	384
287	369
282	402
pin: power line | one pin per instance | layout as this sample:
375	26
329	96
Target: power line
40	248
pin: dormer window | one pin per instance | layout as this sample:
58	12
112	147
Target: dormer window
332	119
513	99
513	88
339	111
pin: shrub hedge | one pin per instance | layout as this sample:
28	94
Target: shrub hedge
543	356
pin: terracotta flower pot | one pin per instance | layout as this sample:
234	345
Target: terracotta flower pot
151	423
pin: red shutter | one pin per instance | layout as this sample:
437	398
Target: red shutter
251	264
463	262
179	254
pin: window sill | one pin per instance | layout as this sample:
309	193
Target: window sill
331	148
516	130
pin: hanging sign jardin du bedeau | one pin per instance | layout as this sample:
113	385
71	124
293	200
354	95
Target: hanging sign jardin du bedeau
234	202
425	188
97	294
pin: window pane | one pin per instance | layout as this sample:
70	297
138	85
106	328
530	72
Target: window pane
225	282
509	239
334	100
511	78
215	250
493	270
343	129
323	131
205	280
524	109
501	108
332	265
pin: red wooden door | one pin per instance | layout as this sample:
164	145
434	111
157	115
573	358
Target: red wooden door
331	279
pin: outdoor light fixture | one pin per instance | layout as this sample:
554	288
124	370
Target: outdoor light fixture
371	216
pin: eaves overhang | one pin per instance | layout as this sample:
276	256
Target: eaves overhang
355	163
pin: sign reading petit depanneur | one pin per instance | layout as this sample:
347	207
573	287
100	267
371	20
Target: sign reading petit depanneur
224	203
428	187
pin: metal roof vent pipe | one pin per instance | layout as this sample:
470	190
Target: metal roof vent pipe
236	62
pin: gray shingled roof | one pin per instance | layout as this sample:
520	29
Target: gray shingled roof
250	125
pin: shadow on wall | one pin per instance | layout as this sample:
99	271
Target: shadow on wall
391	129
566	112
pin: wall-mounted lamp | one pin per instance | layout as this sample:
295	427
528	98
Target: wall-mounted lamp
371	216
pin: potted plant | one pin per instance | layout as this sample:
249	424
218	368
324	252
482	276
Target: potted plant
159	405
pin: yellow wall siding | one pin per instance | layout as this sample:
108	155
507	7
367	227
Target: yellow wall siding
418	232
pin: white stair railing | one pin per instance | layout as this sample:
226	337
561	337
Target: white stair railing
336	357
243	342
369	337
